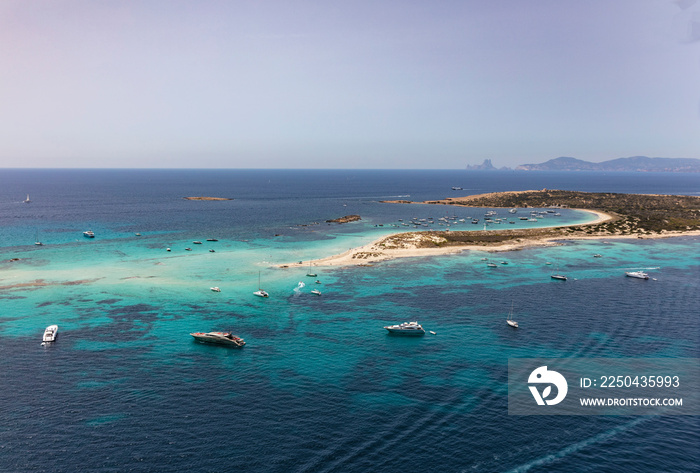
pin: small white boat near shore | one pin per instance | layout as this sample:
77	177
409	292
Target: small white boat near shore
50	334
637	274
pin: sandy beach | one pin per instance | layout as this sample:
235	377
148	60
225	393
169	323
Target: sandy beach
389	247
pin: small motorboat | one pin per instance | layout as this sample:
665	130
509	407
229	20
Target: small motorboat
219	338
50	333
215	289
637	274
212	251
89	234
212	239
197	242
316	291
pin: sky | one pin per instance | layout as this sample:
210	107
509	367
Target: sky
346	84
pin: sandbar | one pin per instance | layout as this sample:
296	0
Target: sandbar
413	244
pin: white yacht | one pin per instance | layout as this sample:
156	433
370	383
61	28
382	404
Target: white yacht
513	211
215	289
219	338
637	274
50	333
89	234
316	291
406	328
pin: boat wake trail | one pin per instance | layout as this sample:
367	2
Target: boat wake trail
577	446
297	290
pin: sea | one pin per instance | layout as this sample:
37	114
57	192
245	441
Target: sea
320	386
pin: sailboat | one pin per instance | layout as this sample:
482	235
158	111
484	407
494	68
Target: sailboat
311	274
510	320
260	292
560	277
26	201
36	240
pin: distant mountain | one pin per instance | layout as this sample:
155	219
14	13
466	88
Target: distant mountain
486	166
635	163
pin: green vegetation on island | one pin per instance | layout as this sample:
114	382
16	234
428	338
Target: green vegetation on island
632	215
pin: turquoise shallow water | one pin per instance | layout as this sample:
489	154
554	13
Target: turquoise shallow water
320	386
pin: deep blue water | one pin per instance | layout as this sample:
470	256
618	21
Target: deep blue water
319	386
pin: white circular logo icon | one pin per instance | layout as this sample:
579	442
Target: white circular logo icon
542	375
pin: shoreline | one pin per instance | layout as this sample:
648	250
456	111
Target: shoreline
377	251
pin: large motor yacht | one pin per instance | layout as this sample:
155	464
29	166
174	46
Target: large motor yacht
406	328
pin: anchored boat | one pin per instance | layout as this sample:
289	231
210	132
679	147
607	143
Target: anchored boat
219	338
406	328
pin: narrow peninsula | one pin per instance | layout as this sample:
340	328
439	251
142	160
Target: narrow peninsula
617	216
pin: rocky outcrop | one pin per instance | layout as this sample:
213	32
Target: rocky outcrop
346	219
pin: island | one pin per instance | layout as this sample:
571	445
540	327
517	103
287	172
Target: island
206	198
346	219
617	216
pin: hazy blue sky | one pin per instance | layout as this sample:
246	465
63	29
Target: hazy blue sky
346	84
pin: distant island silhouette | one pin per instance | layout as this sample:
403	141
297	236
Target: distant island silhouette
206	198
631	164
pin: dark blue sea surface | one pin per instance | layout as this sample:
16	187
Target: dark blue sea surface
320	386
